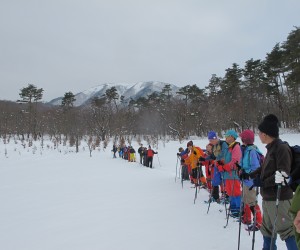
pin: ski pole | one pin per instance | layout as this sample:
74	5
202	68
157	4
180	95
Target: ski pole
276	216
181	174
176	169
224	197
210	195
228	214
158	161
254	219
240	215
196	184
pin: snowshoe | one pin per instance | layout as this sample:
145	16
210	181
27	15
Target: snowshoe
235	215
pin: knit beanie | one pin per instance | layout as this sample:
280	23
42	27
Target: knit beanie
212	135
247	136
270	126
231	133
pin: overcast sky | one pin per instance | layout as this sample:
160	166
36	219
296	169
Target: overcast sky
72	45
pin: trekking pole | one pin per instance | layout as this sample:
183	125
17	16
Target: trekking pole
181	176
158	161
254	219
228	213
179	171
240	215
196	184
176	169
210	194
276	215
224	198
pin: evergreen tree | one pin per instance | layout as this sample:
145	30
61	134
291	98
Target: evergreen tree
30	95
68	100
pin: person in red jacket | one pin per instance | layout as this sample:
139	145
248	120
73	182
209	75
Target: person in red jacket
150	154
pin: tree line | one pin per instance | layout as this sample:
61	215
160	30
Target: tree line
239	99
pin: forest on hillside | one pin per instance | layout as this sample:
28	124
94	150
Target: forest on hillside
238	100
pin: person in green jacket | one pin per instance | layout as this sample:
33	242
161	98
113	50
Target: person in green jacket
295	211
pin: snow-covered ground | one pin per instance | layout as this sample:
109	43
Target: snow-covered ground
62	200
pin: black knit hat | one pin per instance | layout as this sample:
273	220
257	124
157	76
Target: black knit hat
270	126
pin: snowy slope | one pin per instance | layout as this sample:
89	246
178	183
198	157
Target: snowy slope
57	199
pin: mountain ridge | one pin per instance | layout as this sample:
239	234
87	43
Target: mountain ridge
129	91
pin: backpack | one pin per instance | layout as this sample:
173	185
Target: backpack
150	153
261	157
259	154
295	167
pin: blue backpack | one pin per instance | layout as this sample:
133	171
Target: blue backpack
260	156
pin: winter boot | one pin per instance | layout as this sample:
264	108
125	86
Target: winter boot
215	193
291	243
267	243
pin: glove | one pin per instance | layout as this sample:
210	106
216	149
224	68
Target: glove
220	168
195	153
220	162
281	178
201	159
257	182
238	166
178	154
243	175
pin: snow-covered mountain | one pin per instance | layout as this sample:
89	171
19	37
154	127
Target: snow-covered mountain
129	91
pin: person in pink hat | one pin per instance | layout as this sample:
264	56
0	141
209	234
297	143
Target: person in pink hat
251	160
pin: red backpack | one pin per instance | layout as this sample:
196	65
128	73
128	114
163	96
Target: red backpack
150	153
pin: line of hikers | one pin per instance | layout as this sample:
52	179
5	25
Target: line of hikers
125	152
146	156
129	153
236	174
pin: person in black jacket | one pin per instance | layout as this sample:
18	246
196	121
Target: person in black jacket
141	153
278	158
114	150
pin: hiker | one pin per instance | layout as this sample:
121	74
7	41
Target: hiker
128	153
227	166
132	154
141	153
278	157
145	160
183	154
218	150
114	150
250	162
120	150
208	163
125	152
150	154
193	160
